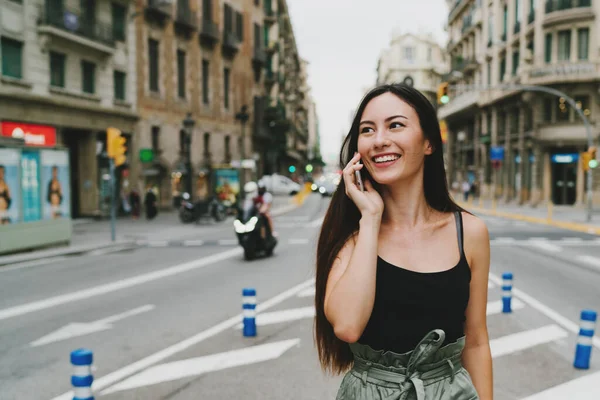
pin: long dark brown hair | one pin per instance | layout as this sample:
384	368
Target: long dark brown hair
342	217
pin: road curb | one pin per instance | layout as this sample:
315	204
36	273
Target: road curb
573	226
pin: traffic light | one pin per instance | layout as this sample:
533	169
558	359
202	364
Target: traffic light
309	168
593	162
292	169
115	146
442	94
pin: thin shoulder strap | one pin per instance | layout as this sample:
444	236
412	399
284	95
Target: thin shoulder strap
459	232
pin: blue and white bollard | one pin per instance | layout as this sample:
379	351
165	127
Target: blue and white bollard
583	351
507	284
249	312
82	378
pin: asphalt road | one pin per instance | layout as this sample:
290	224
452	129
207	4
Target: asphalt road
163	321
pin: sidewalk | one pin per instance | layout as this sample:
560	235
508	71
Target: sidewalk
566	217
90	235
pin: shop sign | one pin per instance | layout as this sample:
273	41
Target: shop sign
567	158
33	135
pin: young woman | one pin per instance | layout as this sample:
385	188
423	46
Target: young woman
402	271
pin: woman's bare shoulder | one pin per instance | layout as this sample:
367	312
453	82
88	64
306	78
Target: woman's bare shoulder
474	227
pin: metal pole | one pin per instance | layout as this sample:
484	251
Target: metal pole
113	190
242	158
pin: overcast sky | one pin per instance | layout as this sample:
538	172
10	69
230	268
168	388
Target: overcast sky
342	40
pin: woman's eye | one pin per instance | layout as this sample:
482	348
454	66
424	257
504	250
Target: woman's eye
366	129
394	125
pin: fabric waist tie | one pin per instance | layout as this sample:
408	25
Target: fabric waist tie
411	377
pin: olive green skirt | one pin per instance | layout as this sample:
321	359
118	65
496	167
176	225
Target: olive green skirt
429	372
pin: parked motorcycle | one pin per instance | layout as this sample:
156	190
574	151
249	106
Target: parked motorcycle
249	227
202	209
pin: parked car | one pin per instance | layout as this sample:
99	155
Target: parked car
327	185
280	185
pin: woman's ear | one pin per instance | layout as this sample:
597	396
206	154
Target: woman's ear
429	149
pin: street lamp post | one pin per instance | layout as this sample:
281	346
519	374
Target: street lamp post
243	117
188	126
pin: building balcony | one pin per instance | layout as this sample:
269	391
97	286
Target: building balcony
259	58
272	47
231	44
464	65
185	21
209	32
517	27
567	11
566	72
270	17
64	24
271	78
456	9
531	17
158	10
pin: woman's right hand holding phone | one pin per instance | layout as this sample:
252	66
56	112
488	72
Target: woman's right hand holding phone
368	202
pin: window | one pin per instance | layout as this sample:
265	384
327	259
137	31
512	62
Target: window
502	69
227	19
226	87
119	14
239	26
205	82
548	110
517	11
583	43
489	123
490	29
57	69
501	123
528	123
181	73
155	138
88	77
564	45
153	71
409	54
227	149
563	110
489	73
182	146
583	103
207	9
548	54
207	144
429	53
12	58
119	78
515	60
505	22
257	36
257	2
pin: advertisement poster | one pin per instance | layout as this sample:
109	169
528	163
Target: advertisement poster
56	191
30	186
227	184
10	199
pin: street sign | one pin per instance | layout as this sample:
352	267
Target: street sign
565	158
497	153
146	155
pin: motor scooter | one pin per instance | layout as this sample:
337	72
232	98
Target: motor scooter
202	209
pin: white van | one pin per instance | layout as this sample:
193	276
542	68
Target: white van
280	185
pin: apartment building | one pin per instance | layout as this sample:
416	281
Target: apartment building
200	68
551	43
282	141
413	59
68	73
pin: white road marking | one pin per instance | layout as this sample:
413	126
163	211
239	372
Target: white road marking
495	307
544	245
158	243
32	263
277	317
228	242
524	340
193	242
79	329
585	388
590	260
547	311
157	357
504	240
572	240
542	238
310	292
298	241
201	365
316	223
117	285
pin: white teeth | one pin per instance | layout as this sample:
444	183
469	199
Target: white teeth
386	158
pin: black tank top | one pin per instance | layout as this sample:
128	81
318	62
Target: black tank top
409	304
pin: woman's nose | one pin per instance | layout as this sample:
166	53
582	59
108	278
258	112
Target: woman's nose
380	138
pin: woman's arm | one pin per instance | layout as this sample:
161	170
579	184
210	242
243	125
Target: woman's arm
350	291
477	358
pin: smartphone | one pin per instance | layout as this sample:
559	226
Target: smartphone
359	181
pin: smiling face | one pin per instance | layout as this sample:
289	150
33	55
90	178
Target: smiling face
391	141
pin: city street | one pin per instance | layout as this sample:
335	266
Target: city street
163	319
